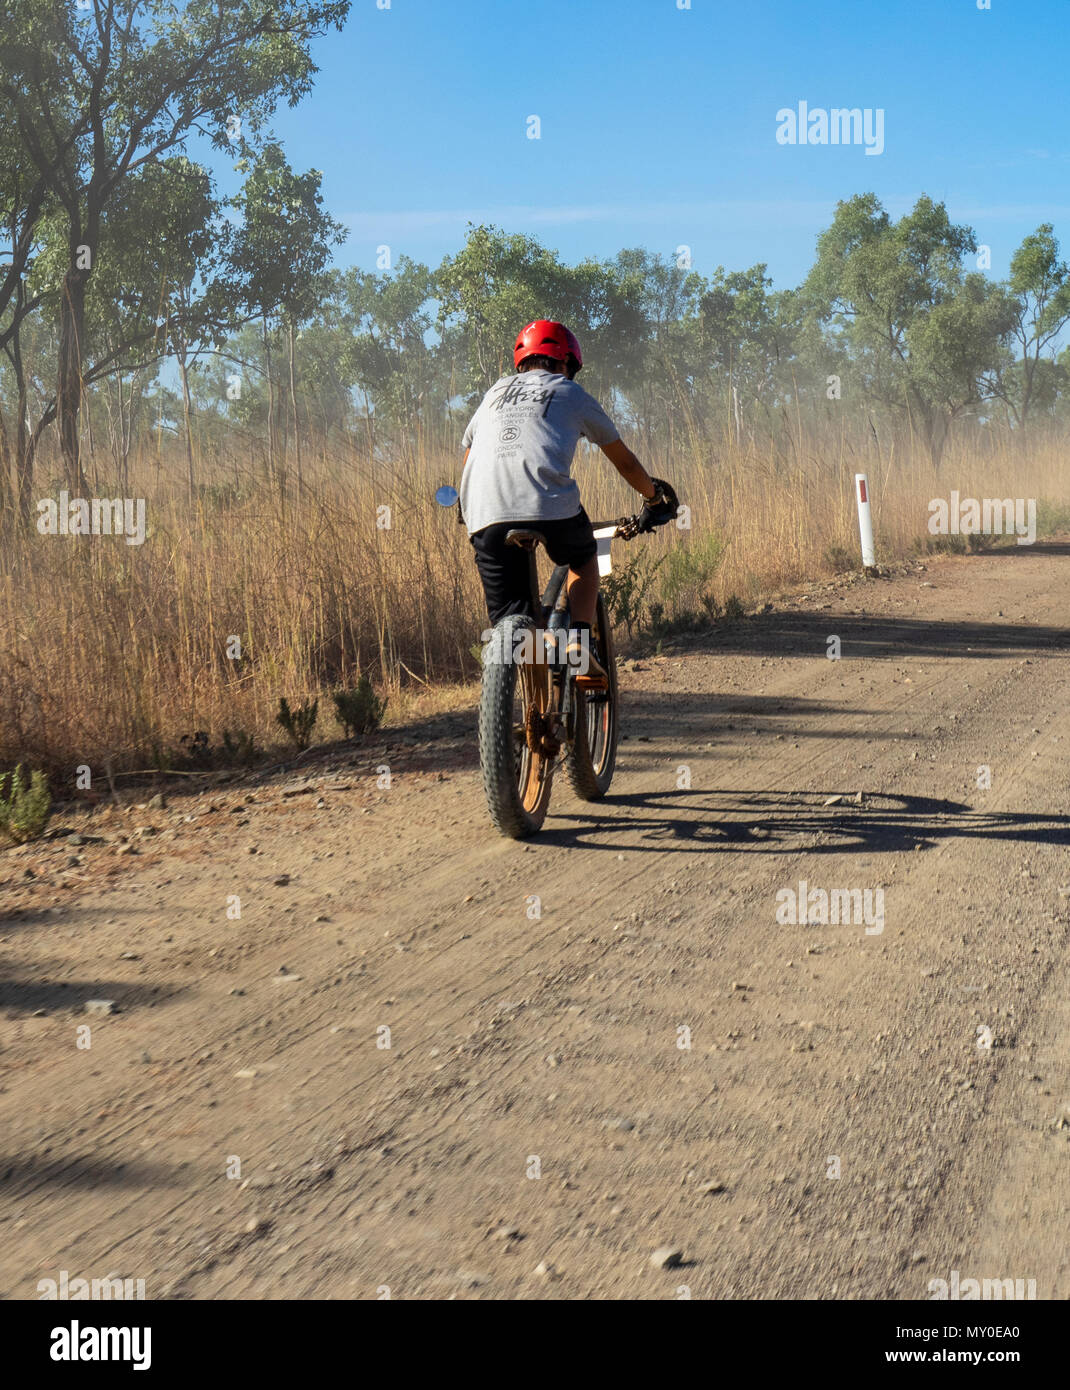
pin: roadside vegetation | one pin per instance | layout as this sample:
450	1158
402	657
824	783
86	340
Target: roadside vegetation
287	423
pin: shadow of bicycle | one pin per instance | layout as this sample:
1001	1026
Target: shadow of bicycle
773	822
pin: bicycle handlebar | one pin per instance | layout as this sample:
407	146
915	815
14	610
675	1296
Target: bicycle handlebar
626	527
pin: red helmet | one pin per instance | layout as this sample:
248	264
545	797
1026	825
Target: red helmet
547	338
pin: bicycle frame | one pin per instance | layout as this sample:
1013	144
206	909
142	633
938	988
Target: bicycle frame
554	599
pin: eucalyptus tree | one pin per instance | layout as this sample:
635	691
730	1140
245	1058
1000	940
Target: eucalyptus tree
925	334
283	246
91	96
499	281
1040	283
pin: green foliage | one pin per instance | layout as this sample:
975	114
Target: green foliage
96	110
626	588
97	113
733	607
840	559
197	751
1053	518
1040	282
498	282
24	805
239	747
298	723
360	710
945	545
689	568
927	337
283	244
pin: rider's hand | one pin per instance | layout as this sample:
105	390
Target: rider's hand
661	508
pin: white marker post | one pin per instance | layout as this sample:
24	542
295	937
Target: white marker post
865	521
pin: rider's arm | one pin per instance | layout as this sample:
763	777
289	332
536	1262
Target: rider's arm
629	467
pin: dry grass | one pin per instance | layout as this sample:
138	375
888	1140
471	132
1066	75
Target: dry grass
110	652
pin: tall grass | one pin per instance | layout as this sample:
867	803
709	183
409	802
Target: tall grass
111	652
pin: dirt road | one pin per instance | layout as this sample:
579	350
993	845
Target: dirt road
602	1042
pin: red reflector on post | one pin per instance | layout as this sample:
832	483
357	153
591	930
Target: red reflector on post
862	490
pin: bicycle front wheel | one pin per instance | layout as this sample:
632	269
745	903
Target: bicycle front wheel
516	737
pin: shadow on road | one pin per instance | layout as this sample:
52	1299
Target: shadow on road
26	996
51	916
82	1170
771	822
1039	548
879	637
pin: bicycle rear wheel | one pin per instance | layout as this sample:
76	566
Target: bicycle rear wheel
593	754
516	739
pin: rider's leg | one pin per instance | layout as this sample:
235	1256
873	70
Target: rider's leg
582	604
504	572
582	586
572	543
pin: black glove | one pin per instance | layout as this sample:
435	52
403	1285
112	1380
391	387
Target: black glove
660	509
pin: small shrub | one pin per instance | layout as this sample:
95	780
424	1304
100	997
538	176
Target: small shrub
941	545
240	747
689	568
24	806
1053	518
195	749
840	559
298	723
359	710
221	496
733	607
626	587
161	758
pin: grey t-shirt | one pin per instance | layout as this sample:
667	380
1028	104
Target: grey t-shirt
522	438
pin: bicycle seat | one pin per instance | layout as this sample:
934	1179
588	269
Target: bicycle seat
528	540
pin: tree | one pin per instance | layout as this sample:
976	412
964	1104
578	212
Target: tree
493	286
23	201
156	238
1040	283
656	325
926	336
385	321
283	247
95	96
747	333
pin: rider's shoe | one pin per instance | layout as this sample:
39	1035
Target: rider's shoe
590	673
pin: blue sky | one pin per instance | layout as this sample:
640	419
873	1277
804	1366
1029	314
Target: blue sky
658	125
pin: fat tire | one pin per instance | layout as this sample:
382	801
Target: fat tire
497	745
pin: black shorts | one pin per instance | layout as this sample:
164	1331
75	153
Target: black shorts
504	568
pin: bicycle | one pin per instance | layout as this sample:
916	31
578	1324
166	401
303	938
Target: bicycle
531	709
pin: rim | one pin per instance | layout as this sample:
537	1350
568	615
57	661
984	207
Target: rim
599	715
599	712
529	768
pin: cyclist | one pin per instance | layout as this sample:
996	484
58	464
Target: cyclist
518	456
